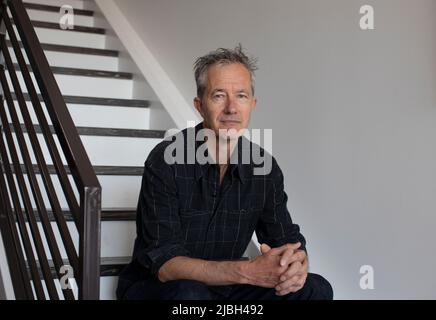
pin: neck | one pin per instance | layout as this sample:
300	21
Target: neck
221	150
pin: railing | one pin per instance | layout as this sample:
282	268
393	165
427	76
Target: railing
32	253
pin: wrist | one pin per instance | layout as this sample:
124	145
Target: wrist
242	272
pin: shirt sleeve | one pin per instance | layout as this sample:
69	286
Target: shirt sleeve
159	225
275	226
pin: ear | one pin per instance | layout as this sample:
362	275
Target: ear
254	104
198	105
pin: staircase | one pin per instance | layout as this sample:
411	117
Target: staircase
113	110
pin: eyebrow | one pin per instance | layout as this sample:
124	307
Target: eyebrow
222	90
217	90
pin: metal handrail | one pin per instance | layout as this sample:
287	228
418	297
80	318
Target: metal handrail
86	210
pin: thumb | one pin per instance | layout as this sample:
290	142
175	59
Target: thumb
264	248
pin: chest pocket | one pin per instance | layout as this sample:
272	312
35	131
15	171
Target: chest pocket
237	224
193	224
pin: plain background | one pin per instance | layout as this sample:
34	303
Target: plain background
353	115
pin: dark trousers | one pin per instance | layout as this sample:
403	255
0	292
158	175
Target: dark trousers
315	288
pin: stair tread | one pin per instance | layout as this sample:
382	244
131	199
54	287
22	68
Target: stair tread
50	8
107	214
106	132
99	170
56	26
85	72
132	103
109	266
73	49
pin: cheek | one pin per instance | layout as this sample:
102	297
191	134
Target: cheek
246	113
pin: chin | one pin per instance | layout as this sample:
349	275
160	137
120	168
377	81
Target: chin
231	133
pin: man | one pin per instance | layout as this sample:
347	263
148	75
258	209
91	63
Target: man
195	220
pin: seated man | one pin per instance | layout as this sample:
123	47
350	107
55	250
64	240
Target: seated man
196	218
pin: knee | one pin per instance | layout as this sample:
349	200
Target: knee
187	290
318	287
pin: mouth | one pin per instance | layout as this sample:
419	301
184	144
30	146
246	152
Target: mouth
230	122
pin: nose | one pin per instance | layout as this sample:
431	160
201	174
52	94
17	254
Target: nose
230	106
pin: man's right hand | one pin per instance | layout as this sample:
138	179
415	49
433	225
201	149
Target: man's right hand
265	270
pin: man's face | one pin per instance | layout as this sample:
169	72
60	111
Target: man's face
228	100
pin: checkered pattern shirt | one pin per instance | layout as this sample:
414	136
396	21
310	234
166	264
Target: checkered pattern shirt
183	210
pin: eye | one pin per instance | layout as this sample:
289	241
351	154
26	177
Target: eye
218	96
242	96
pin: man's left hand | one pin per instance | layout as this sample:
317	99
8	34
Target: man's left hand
294	278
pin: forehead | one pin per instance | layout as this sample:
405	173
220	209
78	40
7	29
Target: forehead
228	74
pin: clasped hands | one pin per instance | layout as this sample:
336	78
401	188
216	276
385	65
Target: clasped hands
284	268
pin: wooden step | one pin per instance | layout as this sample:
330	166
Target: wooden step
108	214
85	72
56	26
73	49
112	266
106	132
44	7
99	170
131	103
109	266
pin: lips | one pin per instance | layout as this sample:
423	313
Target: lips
230	121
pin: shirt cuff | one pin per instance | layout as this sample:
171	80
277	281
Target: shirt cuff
155	258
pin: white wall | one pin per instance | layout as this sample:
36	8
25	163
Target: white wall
353	115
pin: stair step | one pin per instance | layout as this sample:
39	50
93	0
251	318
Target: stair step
133	103
118	214
99	170
50	8
84	86
112	266
106	132
109	266
85	72
76	4
56	26
73	49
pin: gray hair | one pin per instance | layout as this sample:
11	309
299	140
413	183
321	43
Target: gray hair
222	56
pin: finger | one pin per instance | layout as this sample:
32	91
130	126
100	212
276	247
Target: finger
291	289
297	285
264	248
288	258
293	270
283	248
288	283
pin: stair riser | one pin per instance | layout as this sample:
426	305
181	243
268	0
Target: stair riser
70	38
75	60
101	116
108	286
39	15
87	86
117	238
106	151
118	191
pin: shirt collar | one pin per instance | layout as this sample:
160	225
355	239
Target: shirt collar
236	167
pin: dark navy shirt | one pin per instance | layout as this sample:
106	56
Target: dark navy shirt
183	210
